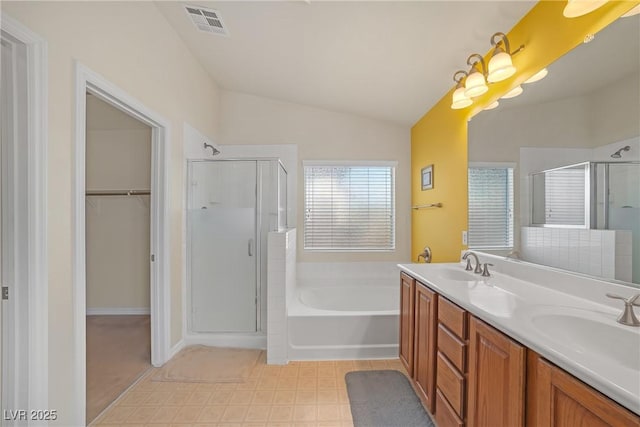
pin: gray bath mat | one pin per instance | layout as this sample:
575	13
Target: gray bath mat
384	399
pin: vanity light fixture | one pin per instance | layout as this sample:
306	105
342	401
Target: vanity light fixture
475	84
537	76
500	65
576	8
491	106
512	93
460	100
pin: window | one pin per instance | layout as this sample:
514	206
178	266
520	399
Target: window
349	207
490	207
559	196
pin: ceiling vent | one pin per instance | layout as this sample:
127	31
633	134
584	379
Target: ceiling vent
207	20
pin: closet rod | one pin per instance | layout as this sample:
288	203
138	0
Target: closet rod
431	205
118	193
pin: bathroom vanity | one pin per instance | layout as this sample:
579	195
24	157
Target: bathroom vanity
503	351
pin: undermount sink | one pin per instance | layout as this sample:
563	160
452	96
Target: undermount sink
455	273
591	333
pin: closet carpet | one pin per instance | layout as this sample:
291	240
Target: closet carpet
118	353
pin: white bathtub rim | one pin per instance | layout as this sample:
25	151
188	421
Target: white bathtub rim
298	309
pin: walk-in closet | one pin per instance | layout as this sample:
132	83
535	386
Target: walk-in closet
118	192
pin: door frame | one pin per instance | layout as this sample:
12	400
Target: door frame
30	387
88	81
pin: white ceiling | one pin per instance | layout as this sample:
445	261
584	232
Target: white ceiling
386	60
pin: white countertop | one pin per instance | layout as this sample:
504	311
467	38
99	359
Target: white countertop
590	345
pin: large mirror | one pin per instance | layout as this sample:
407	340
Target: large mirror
587	110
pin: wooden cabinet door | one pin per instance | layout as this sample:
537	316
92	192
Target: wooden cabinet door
425	345
562	400
496	378
407	290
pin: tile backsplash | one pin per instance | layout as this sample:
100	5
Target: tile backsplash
603	253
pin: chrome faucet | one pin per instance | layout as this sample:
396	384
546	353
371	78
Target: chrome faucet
478	268
628	317
485	270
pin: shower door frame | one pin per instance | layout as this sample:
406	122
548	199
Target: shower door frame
260	325
605	190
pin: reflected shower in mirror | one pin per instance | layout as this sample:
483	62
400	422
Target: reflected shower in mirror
585	111
560	196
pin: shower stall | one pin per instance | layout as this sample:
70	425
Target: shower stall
232	205
591	195
596	195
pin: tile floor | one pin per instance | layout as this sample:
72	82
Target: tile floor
298	394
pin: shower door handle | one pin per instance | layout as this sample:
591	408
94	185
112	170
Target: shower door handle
250	247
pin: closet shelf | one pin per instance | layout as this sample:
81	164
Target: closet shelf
118	193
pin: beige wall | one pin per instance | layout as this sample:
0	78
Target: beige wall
323	135
131	45
118	157
615	111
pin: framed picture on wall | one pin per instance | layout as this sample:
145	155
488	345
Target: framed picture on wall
427	178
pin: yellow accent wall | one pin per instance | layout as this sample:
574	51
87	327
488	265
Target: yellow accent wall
440	136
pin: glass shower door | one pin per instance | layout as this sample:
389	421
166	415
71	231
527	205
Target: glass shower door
623	208
222	226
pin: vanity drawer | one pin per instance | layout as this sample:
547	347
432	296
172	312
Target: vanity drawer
445	415
452	347
450	383
453	317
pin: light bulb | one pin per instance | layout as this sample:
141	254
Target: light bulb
575	8
537	76
460	100
512	93
500	67
491	106
632	12
475	85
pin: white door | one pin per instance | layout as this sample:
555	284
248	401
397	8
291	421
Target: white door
6	219
23	328
222	226
3	125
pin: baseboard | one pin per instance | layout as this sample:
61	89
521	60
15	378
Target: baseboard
237	340
118	311
176	349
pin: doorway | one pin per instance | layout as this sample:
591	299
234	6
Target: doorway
118	178
23	267
157	260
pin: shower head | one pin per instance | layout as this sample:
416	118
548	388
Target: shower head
214	150
618	154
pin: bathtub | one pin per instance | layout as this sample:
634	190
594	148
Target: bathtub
345	311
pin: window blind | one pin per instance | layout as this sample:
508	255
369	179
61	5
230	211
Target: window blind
490	207
564	196
349	208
